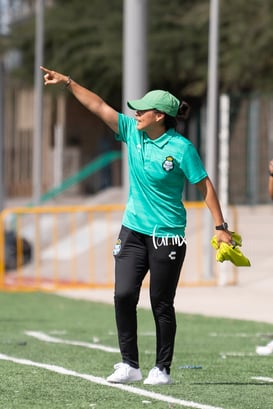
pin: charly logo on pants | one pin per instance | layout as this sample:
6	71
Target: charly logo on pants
172	255
117	247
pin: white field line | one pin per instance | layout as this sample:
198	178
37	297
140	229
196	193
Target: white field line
238	335
47	338
147	334
262	378
237	354
102	381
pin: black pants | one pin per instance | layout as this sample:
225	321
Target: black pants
135	254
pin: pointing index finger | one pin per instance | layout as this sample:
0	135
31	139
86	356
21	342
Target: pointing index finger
44	69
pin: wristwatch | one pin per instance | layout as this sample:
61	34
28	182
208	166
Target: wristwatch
223	226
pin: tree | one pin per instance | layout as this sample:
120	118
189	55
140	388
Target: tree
246	63
178	39
88	48
84	39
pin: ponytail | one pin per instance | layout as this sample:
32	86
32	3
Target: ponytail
184	110
182	114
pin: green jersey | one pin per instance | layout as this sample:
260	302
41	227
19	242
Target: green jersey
157	173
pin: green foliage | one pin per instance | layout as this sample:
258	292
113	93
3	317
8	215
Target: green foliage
246	38
178	45
81	38
87	43
84	39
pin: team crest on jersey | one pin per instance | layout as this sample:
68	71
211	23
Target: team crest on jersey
168	163
117	247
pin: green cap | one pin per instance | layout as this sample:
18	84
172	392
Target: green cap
161	100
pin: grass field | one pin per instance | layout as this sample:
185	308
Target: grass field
66	367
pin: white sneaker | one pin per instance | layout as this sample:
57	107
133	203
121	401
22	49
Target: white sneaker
158	377
124	373
264	350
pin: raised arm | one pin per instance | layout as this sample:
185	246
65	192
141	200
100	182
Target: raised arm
89	99
210	197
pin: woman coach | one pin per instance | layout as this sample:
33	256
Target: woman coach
152	235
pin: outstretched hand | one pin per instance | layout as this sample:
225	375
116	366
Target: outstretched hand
53	77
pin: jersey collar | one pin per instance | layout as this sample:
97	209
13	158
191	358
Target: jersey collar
162	140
